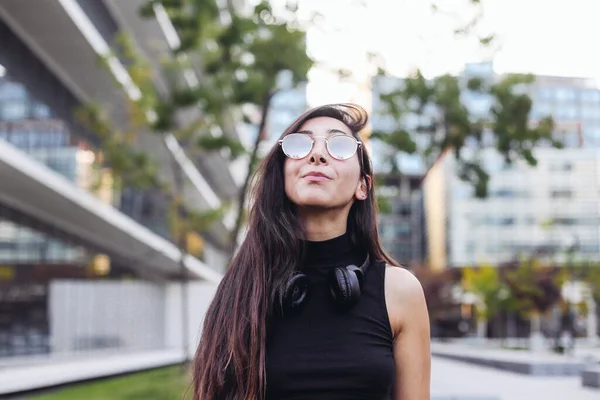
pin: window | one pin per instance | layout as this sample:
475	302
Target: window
564	94
40	111
590	95
540	110
593	132
12	91
508	193
499	221
561	166
483	69
403	209
561	194
541	94
462	191
402	229
590	248
567	112
13	110
565	221
589	112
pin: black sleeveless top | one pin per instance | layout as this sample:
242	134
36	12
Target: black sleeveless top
322	352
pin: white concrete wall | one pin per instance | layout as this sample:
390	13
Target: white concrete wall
130	315
123	314
200	294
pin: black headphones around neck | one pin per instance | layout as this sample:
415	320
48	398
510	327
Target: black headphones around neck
345	285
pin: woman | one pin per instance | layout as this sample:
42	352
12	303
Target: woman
312	307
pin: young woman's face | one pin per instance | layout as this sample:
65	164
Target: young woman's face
320	180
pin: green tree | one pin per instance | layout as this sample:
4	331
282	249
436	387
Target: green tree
453	127
491	292
244	49
536	287
592	277
231	53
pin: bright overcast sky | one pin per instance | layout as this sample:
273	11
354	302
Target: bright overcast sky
553	37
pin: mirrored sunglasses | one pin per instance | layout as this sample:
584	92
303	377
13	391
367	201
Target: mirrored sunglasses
299	145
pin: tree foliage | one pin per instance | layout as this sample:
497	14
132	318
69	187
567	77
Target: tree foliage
443	122
430	116
485	283
592	278
535	286
241	62
586	272
224	71
238	61
131	167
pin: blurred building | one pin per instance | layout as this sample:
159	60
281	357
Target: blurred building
527	207
90	268
29	126
287	105
402	227
540	210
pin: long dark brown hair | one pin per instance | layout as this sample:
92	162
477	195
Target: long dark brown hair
230	360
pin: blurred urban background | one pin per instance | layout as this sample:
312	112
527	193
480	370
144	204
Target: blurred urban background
129	130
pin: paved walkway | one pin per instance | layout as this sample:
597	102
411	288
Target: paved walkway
453	380
581	354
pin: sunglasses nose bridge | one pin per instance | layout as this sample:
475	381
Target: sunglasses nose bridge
319	145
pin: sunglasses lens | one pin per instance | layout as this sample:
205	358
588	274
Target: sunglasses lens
296	145
342	147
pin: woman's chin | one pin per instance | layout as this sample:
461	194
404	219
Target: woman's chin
313	200
319	202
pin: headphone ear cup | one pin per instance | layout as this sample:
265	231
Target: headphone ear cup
345	286
295	292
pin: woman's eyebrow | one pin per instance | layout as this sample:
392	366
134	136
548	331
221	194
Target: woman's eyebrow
336	131
329	131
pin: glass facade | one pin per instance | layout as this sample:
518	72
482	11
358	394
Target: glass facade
31	259
574	106
402	229
287	105
30	126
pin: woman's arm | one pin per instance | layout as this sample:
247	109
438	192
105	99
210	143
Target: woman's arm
409	319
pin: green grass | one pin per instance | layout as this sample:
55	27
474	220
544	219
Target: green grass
168	383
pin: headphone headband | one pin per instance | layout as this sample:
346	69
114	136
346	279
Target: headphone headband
362	270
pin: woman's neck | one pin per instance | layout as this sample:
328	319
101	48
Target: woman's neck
325	225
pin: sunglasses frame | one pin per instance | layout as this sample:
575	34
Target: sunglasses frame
312	144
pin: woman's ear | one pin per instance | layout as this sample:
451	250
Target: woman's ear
364	186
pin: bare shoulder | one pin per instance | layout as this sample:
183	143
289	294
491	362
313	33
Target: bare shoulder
404	296
401	284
